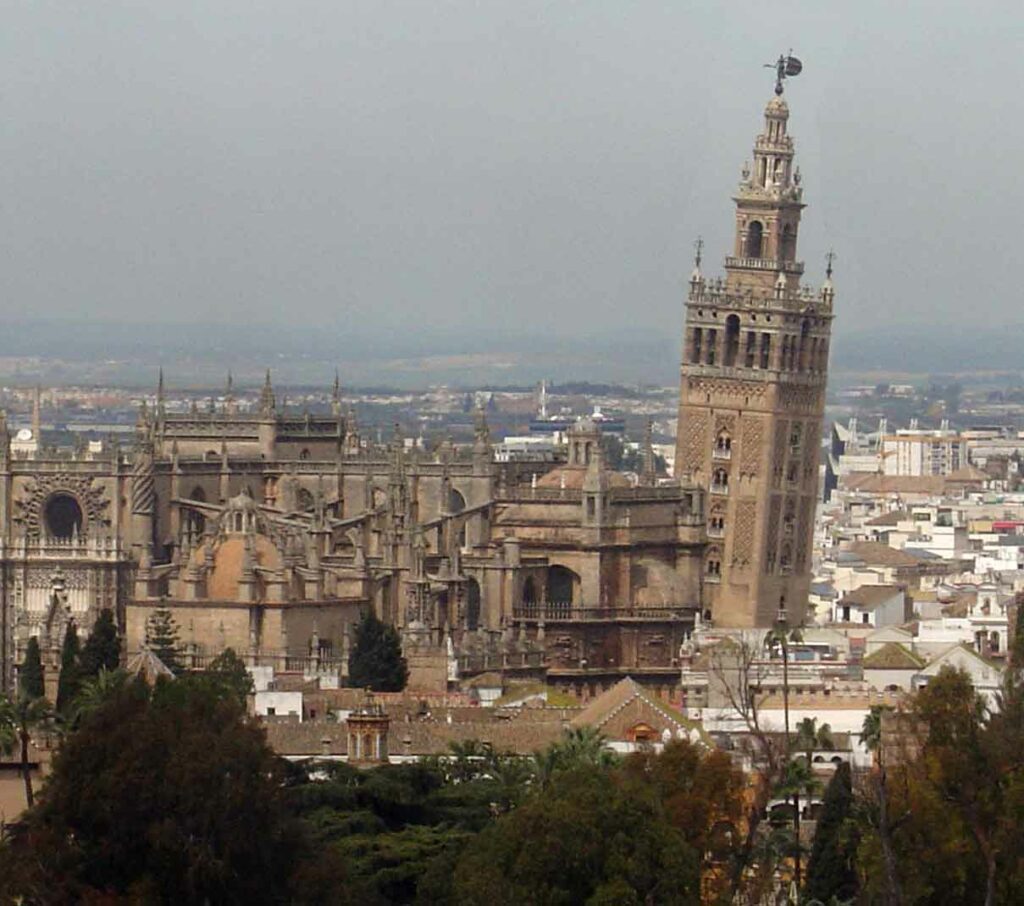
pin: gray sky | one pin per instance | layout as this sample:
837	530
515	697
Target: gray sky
521	165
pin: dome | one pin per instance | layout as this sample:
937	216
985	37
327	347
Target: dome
228	561
777	107
572	478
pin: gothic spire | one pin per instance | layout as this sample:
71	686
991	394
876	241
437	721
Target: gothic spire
267	402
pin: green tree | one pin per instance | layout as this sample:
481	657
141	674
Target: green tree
587	839
701	794
102	650
162	639
68	682
96	690
30	675
227	672
163	795
376	659
831	870
18	718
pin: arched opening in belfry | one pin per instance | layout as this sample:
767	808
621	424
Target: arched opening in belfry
805	340
63	516
732	340
755	238
562	585
472	605
787	248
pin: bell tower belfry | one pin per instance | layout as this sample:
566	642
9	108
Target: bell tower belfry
752	394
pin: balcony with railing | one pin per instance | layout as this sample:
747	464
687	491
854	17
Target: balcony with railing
766	264
564	611
722	453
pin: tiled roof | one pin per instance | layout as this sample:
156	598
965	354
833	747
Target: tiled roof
868	596
893	657
875	553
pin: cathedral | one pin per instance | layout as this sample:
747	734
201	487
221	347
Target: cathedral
271	531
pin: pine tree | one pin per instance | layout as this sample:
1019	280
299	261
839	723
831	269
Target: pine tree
102	650
30	674
162	638
830	871
376	660
67	685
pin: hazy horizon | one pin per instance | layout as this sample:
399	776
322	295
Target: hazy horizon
461	169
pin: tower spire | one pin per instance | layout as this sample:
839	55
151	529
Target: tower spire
267	402
336	395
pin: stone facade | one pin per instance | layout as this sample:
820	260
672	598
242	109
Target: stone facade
270	533
752	396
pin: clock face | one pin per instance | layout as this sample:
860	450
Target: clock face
24	434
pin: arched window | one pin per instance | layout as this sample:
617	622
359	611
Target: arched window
304	454
805	329
732	340
755	238
63	516
472	605
562	585
787	249
713	564
529	591
720	481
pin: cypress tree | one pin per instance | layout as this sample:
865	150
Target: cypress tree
376	659
162	639
67	685
102	650
830	871
30	674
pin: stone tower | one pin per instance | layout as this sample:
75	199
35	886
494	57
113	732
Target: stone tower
752	396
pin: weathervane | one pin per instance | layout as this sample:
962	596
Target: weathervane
699	246
829	258
785	67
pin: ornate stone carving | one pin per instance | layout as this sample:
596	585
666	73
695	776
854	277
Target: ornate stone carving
799	399
779	452
805	533
29	507
811	452
726	387
771	547
74	579
751	444
694	439
142	483
743	534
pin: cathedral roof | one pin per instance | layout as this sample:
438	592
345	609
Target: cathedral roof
572	477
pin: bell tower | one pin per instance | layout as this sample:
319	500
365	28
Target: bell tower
752	393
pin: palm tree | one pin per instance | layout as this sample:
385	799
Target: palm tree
94	692
18	718
871	729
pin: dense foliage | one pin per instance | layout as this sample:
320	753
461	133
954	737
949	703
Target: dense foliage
162	638
31	680
376	661
160	795
69	681
102	650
